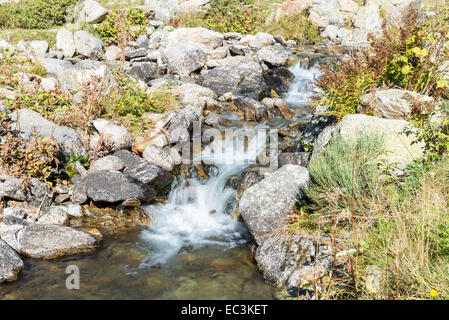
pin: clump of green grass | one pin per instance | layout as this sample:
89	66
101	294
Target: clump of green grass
346	171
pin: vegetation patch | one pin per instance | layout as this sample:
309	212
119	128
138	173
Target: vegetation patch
123	26
35	14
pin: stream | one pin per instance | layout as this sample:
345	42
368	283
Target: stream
193	249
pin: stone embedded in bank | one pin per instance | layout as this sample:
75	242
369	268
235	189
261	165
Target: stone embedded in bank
265	207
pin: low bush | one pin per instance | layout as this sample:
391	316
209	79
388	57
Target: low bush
121	25
34	14
344	175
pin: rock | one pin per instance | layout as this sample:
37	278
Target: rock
249	178
91	12
193	94
10	263
330	32
218	53
118	136
87	45
400	148
73	210
112	53
232	36
348	7
48	241
135	53
244	79
322	140
9	233
275	55
393	103
85	72
149	174
114	186
29	121
192	6
368	18
200	36
184	58
49	84
79	195
279	79
292	259
11	187
54	215
258	41
5	45
158	156
107	163
36	47
145	71
56	66
297	158
65	42
265	207
288	8
180	122
325	12
163	9
252	109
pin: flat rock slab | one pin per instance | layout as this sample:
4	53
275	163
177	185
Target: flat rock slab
10	263
48	241
114	186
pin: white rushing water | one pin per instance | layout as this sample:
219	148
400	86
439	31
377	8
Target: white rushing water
198	213
301	89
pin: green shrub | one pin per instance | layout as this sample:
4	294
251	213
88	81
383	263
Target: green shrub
225	16
34	14
293	27
346	170
118	24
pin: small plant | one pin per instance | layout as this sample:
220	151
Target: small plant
132	23
26	159
293	27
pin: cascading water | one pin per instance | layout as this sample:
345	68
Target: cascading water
200	213
193	237
301	89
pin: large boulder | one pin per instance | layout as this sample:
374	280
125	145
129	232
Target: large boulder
244	79
10	263
265	207
56	67
145	71
88	45
293	260
118	136
91	12
325	12
152	175
158	156
65	42
49	241
184	57
200	36
195	95
393	103
275	55
107	163
28	121
368	18
400	138
114	186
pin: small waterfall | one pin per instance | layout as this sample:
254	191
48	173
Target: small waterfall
301	89
197	213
